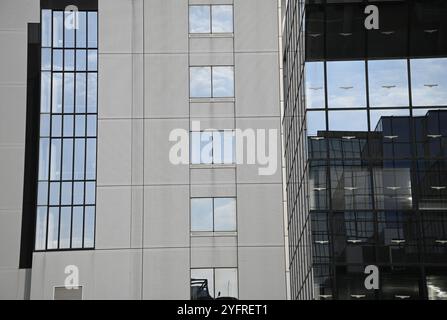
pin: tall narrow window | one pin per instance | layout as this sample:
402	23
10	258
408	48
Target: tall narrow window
67	148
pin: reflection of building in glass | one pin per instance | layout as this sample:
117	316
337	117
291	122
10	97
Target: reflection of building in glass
370	203
366	158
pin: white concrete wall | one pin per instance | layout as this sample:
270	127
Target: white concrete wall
14	18
144	249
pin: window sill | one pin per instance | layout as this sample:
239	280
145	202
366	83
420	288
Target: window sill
212	35
210	100
212	166
207	234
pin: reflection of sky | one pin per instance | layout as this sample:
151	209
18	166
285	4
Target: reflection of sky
355	120
315	85
426	73
65	227
57	60
69	32
92	60
346	84
53	226
57	92
316	121
199	19
222	18
223	83
58	29
225	214
41	222
223	147
46	28
375	115
46	59
202	214
92	92
68	92
69	60
92	30
80	60
77	227
45	92
388	83
81	31
80	92
200	83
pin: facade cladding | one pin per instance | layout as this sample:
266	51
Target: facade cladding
365	128
89	191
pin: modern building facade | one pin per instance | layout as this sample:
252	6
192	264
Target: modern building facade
365	128
93	202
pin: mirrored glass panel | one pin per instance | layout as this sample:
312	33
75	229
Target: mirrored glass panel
222	18
315	92
224	214
223	82
355	121
429	82
388	83
202	214
199	19
200	82
346	84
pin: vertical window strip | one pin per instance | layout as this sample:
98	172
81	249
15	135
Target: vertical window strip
68	139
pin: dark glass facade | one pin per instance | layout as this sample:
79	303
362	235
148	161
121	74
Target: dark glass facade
365	127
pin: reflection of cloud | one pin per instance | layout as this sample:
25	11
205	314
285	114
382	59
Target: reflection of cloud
92	60
199	19
200	82
346	74
225	214
315	85
222	18
429	72
223	83
388	83
92	92
201	214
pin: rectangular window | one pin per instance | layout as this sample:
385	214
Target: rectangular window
214	283
213	214
211	19
213	147
212	82
67	164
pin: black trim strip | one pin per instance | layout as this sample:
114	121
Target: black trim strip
31	147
